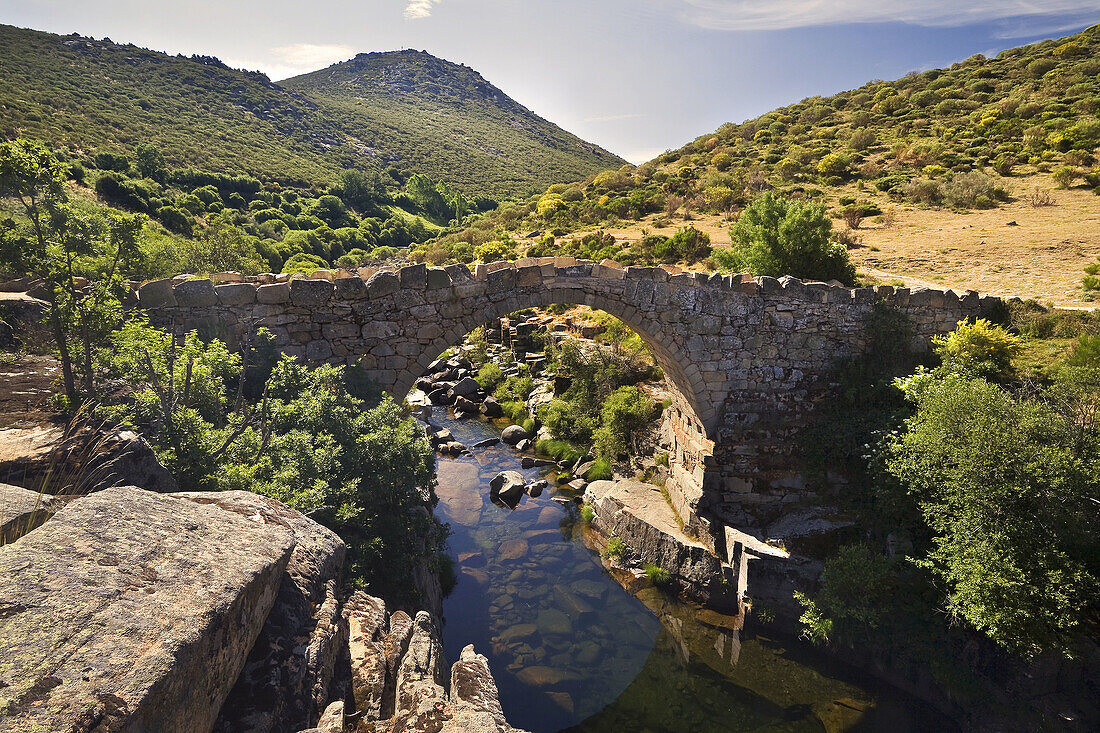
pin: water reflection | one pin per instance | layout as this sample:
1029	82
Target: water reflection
571	649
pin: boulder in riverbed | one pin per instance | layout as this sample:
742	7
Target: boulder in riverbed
490	408
465	387
105	620
508	485
513	434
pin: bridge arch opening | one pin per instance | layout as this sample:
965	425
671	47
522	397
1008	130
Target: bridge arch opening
686	424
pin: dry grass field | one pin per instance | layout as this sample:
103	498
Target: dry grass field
1016	249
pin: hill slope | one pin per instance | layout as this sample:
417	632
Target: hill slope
88	94
914	157
429	115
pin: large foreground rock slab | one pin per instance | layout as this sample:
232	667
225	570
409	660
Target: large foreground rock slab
130	610
285	685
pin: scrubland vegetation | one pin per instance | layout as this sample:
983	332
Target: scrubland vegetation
974	482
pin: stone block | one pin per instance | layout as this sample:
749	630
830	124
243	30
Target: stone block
274	293
195	294
156	294
529	276
413	277
438	278
318	350
501	281
382	283
310	293
220	278
350	288
459	273
104	622
334	331
236	293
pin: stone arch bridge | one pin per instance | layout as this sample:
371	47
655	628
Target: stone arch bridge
749	357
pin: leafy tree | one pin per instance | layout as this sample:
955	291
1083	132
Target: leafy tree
331	210
60	244
299	435
426	195
1006	485
776	236
223	248
362	191
150	162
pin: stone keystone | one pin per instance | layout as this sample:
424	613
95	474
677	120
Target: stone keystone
196	293
310	292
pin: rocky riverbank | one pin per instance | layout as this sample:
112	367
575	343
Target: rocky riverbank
211	611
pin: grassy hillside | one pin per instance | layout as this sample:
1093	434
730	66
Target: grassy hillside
437	118
420	113
906	165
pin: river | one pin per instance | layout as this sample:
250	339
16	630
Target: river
573	650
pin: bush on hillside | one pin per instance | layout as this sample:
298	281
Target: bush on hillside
776	236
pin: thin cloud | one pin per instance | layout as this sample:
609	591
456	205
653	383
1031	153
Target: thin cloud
614	118
755	15
299	58
417	9
309	57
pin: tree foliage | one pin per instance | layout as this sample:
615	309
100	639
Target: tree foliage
1006	484
776	236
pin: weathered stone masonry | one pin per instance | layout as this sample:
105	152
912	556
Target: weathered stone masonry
748	356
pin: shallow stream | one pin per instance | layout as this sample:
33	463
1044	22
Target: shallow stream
572	649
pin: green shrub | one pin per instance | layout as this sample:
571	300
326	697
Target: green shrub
776	236
980	349
600	471
559	450
1004	483
616	549
624	415
587	514
657	575
489	376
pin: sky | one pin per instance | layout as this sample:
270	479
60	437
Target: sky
636	76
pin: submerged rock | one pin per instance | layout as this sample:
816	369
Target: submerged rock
513	549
